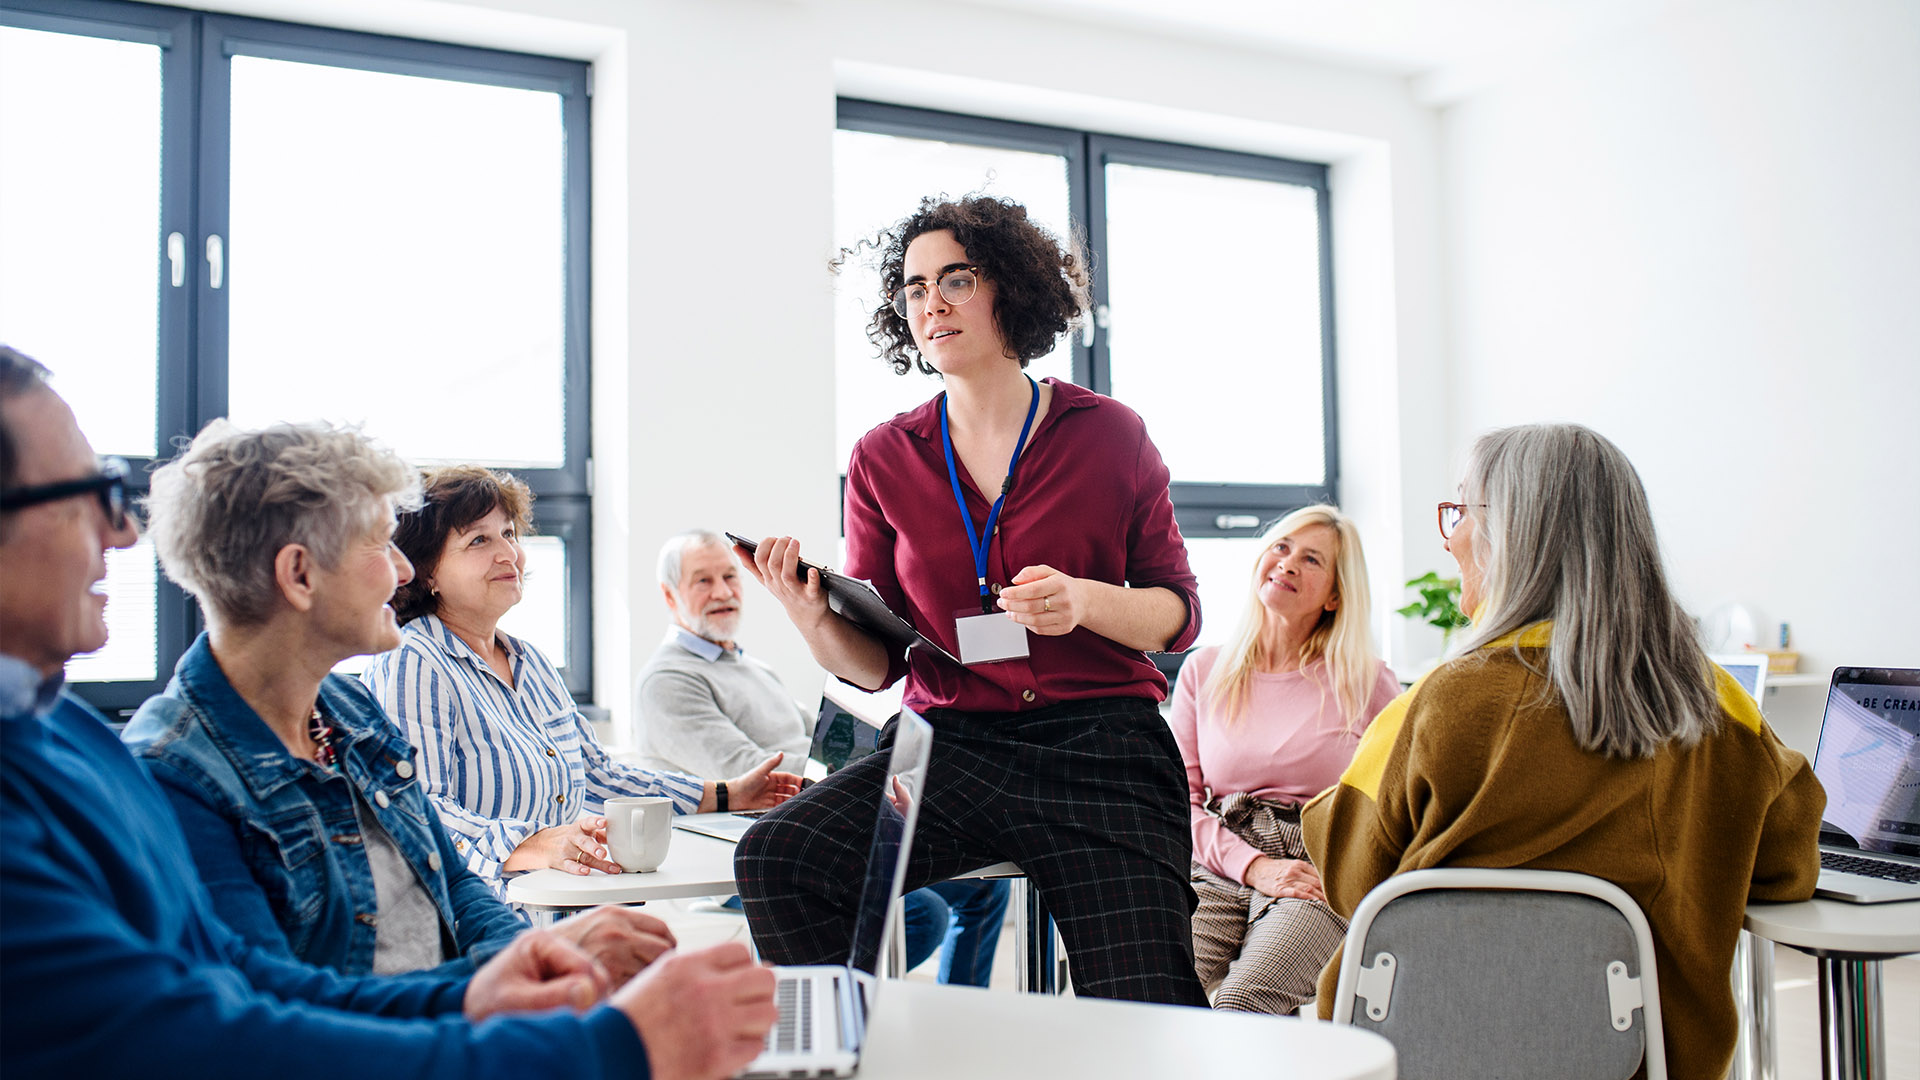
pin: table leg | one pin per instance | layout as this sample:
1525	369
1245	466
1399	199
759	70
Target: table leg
1756	1054
543	917
1852	1024
1034	937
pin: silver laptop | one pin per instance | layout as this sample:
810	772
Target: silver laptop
1869	762
824	1008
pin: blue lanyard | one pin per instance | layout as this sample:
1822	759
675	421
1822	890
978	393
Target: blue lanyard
980	543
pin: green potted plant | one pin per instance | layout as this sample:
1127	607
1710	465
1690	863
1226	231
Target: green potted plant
1438	606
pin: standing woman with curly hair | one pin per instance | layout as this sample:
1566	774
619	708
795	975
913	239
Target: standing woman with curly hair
1026	527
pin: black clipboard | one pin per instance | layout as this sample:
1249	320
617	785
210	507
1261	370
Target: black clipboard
856	601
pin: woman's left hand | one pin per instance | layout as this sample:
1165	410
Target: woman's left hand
1045	601
761	787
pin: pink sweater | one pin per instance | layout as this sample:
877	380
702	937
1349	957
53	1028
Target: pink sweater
1288	743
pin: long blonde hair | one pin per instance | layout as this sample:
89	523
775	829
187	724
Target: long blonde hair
1341	636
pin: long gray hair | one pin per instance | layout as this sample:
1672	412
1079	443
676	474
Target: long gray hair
1565	534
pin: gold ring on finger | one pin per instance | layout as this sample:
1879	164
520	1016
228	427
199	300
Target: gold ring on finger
1046	603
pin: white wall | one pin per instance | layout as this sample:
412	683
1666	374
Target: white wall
713	129
1705	243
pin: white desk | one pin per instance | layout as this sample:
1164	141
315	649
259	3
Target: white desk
698	865
1849	941
925	1031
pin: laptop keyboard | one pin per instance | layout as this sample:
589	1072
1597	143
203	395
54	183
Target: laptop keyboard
793	1033
1873	868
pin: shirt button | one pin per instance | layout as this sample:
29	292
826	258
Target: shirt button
433	861
459	845
1026	695
405	769
380	799
560	798
550	751
994	588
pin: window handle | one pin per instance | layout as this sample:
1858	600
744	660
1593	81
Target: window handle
177	258
1236	521
1102	318
216	260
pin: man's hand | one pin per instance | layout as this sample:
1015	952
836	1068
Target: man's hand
760	787
703	1015
535	973
1293	879
623	940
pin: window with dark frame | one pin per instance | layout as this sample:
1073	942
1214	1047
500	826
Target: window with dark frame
265	221
1213	304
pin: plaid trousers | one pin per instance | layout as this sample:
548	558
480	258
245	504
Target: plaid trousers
1089	797
1254	952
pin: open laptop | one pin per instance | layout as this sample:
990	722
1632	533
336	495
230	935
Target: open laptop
1869	762
1747	669
824	1008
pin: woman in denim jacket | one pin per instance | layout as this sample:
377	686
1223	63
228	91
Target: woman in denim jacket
297	794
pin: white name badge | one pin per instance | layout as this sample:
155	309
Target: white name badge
990	637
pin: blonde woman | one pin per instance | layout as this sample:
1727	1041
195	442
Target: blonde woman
1266	722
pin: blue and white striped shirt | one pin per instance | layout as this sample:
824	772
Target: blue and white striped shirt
502	762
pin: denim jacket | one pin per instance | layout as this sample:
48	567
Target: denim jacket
276	838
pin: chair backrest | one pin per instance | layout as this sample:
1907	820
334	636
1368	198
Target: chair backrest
1489	973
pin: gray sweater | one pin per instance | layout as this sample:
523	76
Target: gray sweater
706	711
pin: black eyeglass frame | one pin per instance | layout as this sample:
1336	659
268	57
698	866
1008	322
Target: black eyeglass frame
1459	511
109	485
898	297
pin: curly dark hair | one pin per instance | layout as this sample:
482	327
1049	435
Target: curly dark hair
1040	284
456	496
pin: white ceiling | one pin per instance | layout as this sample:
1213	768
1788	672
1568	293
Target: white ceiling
1446	46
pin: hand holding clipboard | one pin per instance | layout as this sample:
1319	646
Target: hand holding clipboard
857	602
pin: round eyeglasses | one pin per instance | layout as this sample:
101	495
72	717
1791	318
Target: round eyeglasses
1450	515
957	286
109	485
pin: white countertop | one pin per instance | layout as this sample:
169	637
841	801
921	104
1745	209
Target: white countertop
926	1031
1835	925
696	865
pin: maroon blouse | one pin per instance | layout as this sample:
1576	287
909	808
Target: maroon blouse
1089	499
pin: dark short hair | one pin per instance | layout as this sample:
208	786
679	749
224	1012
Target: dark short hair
1040	283
19	373
456	496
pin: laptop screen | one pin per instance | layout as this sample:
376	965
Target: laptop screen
892	833
1869	760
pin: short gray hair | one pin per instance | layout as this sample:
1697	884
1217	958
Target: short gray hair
1565	534
675	549
19	374
220	512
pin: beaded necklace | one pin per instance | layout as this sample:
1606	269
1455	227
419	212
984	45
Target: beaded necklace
322	734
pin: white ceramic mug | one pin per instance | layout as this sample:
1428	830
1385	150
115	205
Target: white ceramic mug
638	831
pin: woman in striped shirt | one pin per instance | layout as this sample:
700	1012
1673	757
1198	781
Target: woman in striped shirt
510	762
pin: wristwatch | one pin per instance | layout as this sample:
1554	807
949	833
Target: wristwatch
720	796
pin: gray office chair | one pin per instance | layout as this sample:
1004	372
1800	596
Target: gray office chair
1504	973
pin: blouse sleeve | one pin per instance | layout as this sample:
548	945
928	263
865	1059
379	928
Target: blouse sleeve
1386	687
870	541
610	779
417	690
1215	846
1156	552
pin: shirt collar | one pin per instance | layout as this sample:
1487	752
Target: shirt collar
695	644
925	420
437	629
24	690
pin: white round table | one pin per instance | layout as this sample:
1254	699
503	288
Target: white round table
1849	941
